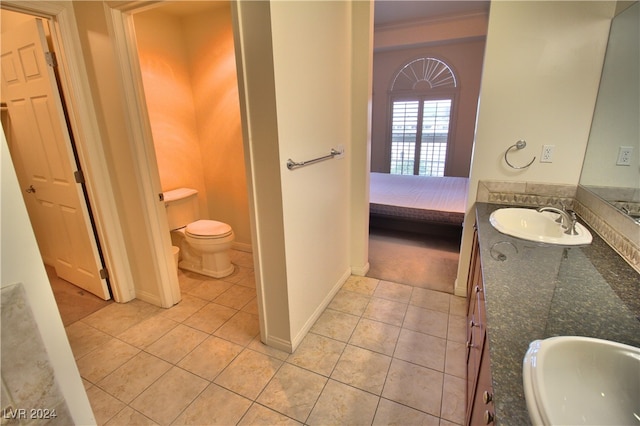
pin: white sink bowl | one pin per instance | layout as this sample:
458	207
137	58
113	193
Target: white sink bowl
532	225
571	380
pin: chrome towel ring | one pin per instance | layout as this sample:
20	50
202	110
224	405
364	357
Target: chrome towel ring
518	145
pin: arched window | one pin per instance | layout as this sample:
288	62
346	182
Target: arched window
422	96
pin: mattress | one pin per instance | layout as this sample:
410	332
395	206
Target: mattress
419	198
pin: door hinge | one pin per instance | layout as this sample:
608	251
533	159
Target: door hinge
104	274
79	176
161	196
50	57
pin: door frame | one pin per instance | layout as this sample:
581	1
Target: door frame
121	28
84	126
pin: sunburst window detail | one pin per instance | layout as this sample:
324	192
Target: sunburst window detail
424	73
422	100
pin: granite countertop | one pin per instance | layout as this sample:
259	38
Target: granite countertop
534	291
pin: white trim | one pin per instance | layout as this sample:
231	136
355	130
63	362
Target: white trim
360	271
85	128
242	247
122	33
297	339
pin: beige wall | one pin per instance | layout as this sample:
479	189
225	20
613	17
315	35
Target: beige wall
313	98
168	91
189	74
299	97
540	79
465	58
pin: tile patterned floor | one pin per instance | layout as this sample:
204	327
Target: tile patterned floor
381	353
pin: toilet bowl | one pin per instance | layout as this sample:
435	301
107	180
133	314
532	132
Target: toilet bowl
204	244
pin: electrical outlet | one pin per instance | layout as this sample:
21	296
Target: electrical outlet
547	154
624	156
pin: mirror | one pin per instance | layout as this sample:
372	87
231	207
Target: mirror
611	166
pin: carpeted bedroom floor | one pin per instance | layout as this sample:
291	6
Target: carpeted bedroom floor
416	259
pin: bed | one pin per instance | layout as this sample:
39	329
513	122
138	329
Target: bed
418	199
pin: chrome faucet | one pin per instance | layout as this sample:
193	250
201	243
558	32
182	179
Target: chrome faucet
567	218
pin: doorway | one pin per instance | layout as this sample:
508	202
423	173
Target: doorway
43	151
187	70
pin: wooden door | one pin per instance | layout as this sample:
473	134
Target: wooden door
44	160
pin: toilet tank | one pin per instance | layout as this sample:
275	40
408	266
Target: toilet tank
182	207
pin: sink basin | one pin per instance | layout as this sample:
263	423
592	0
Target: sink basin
532	225
571	380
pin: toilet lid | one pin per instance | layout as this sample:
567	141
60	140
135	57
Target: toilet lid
208	228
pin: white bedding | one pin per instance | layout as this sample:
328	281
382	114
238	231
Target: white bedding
423	198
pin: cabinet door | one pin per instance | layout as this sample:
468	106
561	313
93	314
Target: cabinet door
482	412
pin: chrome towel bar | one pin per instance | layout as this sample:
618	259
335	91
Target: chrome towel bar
294	164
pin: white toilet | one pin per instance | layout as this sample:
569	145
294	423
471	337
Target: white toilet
204	244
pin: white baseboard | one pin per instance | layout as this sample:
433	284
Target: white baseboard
242	247
319	310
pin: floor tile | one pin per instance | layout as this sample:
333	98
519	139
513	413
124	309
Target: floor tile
129	416
210	317
386	311
168	396
382	353
317	353
431	299
457	329
242	258
426	321
349	302
133	377
251	307
215	406
364	285
422	349
240	274
393	291
376	336
453	399
415	386
456	359
392	413
148	331
83	338
293	391
336	325
363	369
240	328
259	415
189	280
458	306
340	404
118	317
177	343
209	290
97	364
185	308
258	346
210	357
104	406
249	373
236	297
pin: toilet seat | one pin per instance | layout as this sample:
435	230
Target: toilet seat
208	229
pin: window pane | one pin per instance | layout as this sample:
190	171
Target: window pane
435	134
404	129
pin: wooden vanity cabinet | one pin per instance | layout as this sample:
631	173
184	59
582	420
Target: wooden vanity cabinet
479	388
